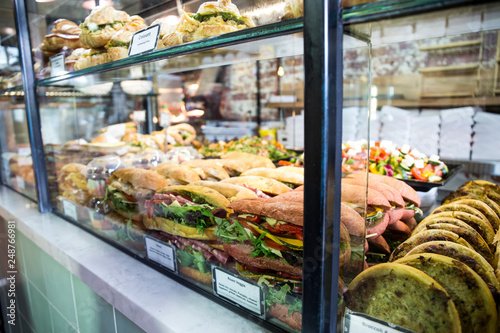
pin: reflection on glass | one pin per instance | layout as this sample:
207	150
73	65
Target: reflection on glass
433	107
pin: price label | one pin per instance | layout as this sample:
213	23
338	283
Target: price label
58	64
359	322
139	116
69	209
161	253
236	290
165	119
144	40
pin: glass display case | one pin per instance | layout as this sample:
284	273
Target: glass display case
190	155
17	164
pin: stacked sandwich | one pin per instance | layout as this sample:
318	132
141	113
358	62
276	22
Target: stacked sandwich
391	205
126	193
212	18
442	277
64	37
185	216
105	35
72	185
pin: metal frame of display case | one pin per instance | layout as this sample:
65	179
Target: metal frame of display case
323	25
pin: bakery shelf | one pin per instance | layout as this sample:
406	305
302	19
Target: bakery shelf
448	68
449	94
393	8
12	91
259	43
451	45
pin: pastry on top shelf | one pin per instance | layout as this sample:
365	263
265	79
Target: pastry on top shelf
101	24
212	18
91	57
293	9
118	45
64	34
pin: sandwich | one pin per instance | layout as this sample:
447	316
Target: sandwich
377	207
64	34
128	190
265	236
212	18
91	57
194	257
72	183
237	162
165	29
136	23
178	174
118	45
137	142
393	196
101	24
410	196
207	169
230	191
291	179
262	186
186	210
185	216
293	9
182	134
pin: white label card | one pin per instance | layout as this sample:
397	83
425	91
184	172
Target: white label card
139	116
161	253
58	64
165	119
70	209
144	40
359	322
241	292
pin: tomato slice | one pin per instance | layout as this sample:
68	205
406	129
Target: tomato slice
417	173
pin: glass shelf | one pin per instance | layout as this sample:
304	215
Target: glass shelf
391	8
265	42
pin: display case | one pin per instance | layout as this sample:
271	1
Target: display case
17	164
190	155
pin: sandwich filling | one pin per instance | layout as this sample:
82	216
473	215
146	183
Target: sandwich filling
116	43
191	211
225	16
95	28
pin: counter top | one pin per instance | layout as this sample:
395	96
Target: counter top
150	299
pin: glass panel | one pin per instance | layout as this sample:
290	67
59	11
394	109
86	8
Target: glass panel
170	122
433	113
101	36
17	166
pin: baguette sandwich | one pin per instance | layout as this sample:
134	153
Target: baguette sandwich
129	188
